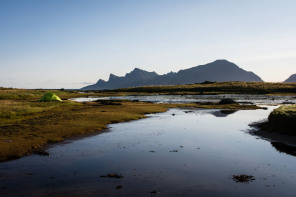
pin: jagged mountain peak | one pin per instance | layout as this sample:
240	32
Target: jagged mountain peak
138	70
139	74
219	70
111	76
101	81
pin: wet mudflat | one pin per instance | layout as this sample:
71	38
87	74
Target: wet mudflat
176	153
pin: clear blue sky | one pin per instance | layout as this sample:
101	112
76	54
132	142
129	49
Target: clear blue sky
71	43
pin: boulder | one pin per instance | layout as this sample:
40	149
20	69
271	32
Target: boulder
227	101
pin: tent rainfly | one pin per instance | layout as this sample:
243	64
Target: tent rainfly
50	97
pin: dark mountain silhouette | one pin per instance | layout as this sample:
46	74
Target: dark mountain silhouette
137	77
291	79
219	70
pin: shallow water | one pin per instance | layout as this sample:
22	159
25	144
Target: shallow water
256	99
176	153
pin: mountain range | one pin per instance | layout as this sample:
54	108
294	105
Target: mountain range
291	79
219	70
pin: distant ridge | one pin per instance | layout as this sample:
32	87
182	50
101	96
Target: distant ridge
291	79
219	70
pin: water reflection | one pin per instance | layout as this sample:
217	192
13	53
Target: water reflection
240	98
188	154
223	113
285	148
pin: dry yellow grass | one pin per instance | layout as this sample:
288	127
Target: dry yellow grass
219	87
11	109
24	135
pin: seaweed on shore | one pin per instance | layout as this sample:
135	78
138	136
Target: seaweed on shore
112	175
243	178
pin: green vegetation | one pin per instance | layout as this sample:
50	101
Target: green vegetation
285	115
27	124
55	123
217	88
281	120
23	94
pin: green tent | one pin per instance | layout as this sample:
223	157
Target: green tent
50	97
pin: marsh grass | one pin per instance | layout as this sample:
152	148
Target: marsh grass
19	94
218	88
22	135
27	124
13	109
281	120
33	95
284	115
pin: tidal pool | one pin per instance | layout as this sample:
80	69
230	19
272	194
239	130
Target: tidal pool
241	98
176	153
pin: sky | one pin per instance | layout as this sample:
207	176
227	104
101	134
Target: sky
73	43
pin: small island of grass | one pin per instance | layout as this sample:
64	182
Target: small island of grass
281	120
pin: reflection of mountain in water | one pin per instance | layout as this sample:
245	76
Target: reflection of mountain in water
282	147
223	113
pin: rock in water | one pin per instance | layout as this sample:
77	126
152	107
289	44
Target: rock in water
227	101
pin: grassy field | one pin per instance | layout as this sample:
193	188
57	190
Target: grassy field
217	88
26	124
